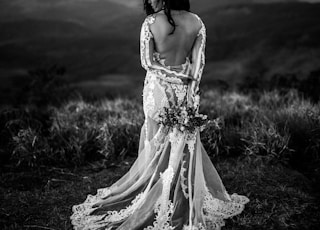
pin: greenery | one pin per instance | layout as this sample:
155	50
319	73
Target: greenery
52	157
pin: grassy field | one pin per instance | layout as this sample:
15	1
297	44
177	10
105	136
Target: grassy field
281	198
52	157
58	145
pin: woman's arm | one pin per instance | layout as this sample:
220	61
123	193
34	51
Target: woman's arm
198	57
198	63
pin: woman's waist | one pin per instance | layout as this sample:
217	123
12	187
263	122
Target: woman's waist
181	68
167	77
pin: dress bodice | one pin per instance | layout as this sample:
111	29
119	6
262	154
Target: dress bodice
173	181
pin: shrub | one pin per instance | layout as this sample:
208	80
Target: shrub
275	126
302	120
263	138
72	134
30	148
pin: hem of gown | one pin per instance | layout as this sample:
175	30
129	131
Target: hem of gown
215	211
82	211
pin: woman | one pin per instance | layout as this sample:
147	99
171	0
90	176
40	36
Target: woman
172	184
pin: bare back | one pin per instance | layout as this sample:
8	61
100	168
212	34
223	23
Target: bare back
176	47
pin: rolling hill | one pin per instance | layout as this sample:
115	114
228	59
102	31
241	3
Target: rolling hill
99	40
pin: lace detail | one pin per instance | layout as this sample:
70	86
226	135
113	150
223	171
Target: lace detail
159	140
164	147
172	80
199	227
168	92
185	67
145	37
183	179
199	62
146	56
216	210
148	97
148	107
181	92
81	218
191	141
164	207
164	100
114	216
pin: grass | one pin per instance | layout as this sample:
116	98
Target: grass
52	157
280	198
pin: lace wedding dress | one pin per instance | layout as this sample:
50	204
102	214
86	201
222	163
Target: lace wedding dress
172	184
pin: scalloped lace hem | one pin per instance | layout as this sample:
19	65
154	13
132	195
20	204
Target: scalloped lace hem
215	210
82	220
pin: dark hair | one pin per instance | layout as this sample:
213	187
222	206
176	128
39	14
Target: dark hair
168	6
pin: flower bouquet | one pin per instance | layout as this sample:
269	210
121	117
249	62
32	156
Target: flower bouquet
182	118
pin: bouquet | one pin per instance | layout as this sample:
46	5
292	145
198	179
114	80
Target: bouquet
183	118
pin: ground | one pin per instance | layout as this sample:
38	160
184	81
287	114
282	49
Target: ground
280	198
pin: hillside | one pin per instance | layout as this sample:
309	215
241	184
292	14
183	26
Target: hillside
266	148
264	39
98	41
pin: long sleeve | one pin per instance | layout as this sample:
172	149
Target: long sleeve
146	40
198	62
147	50
198	56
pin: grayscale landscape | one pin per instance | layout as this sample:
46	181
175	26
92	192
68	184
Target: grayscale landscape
98	41
71	106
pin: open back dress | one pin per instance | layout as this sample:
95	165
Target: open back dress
173	183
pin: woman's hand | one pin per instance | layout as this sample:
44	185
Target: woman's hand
186	79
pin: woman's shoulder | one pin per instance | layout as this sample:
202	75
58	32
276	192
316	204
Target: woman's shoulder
197	19
195	22
160	17
196	16
150	19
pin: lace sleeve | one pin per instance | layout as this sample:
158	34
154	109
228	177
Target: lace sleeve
198	62
146	39
147	50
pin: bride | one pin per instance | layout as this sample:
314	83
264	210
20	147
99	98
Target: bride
172	184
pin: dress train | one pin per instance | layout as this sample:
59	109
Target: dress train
173	183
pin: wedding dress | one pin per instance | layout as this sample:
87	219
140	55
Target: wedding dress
172	184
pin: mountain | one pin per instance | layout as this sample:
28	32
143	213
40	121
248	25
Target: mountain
98	40
262	39
91	13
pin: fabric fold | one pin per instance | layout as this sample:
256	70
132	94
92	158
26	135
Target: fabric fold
172	184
